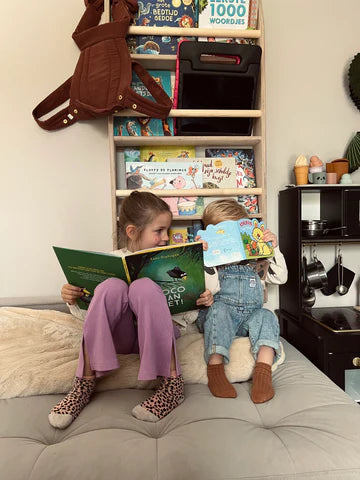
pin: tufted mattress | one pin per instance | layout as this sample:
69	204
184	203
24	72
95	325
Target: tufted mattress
309	430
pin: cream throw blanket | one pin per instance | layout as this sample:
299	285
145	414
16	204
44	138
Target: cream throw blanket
39	351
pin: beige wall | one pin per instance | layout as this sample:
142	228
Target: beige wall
55	187
309	46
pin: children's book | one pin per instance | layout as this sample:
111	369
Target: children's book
234	241
161	13
132	154
253	14
249	202
180	235
184	234
146	126
160	153
232	15
245	163
164	175
177	269
217	172
167	176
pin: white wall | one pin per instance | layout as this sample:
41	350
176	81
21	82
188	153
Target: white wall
309	46
55	186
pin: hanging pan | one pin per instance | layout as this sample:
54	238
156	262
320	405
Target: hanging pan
308	293
316	274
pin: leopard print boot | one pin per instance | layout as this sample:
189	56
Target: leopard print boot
65	412
165	399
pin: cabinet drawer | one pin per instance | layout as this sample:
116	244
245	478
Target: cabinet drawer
341	363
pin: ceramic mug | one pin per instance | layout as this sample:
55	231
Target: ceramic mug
319	177
331	178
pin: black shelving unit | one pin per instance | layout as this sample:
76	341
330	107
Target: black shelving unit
339	205
333	350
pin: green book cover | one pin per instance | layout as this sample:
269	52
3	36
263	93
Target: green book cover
177	269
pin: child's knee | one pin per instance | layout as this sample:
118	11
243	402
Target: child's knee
144	288
111	286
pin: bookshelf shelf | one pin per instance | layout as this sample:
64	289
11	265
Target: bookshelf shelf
183	113
200	192
195	32
224	141
256	140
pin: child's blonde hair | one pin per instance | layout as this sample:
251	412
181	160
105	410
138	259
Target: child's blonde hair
224	209
139	209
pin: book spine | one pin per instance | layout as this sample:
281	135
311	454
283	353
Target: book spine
126	270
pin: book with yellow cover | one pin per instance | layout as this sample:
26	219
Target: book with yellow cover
177	269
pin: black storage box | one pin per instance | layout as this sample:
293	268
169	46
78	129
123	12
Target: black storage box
206	82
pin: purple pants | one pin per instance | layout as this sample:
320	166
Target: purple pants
109	328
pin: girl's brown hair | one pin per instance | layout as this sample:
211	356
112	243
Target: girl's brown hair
224	209
139	209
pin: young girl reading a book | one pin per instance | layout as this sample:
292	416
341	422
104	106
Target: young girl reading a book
237	311
109	326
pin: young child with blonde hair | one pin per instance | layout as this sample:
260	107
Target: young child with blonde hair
238	311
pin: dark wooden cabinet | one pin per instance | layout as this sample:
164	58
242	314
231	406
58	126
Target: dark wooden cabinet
333	351
339	205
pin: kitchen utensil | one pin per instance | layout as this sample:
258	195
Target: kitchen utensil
340	287
346	277
313	228
308	293
316	274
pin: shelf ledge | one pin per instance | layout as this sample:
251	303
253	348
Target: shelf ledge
194	32
247	141
199	192
199	217
197	112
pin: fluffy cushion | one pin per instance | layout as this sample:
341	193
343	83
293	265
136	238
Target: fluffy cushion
39	352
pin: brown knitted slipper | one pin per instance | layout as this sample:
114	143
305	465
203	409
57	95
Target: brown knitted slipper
165	399
65	412
218	384
262	389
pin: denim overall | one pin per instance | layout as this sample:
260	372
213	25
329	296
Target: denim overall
237	312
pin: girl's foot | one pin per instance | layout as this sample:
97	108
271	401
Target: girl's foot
65	412
262	389
218	384
165	399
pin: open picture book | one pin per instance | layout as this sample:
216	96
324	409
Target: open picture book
234	241
177	269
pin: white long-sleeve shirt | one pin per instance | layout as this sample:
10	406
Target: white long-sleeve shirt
277	273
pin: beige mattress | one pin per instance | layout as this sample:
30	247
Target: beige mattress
309	430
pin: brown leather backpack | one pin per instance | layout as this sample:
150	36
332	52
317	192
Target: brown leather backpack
101	82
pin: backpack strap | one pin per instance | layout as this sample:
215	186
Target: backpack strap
157	109
62	118
66	117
